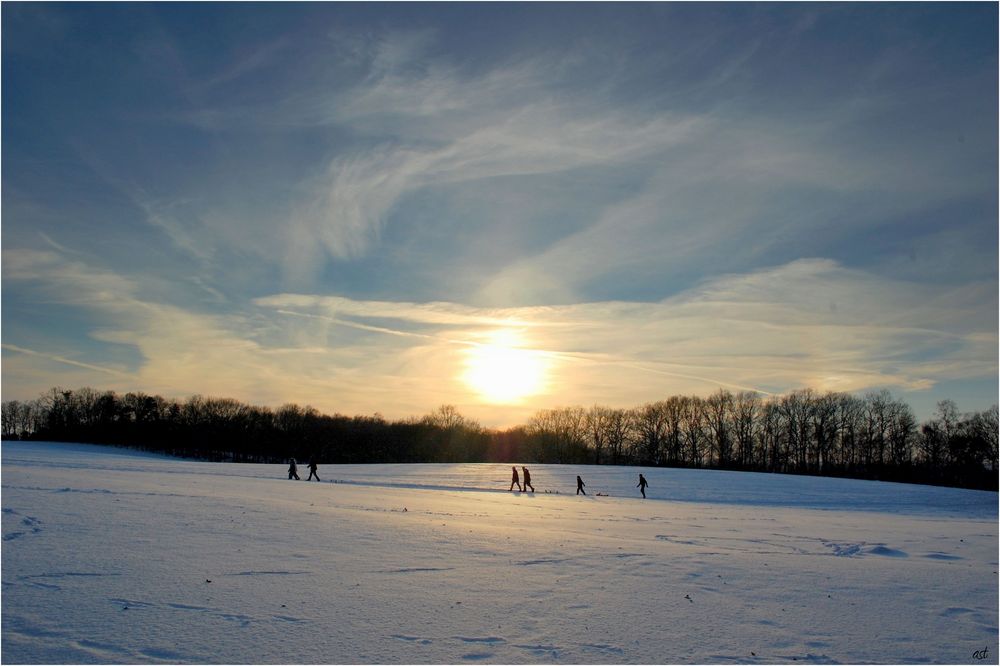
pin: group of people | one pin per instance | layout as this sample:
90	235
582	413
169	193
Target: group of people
515	481
293	473
293	470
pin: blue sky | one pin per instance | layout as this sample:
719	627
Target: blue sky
351	205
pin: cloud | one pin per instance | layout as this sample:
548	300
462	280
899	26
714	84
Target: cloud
809	323
746	182
426	125
685	170
352	203
641	220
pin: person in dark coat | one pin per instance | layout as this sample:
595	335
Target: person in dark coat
293	470
642	485
527	479
514	480
312	470
579	486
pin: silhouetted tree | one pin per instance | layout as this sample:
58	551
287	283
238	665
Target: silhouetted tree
718	409
871	436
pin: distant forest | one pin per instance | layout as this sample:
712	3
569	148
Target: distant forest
874	436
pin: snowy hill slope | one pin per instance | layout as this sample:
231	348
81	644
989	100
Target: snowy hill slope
112	557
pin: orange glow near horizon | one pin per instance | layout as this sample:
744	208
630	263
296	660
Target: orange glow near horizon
503	371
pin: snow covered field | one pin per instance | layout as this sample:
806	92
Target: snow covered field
113	556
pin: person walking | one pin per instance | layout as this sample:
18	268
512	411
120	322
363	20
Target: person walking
642	485
579	486
293	470
514	480
312	470
527	479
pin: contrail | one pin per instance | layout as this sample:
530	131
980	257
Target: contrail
61	359
380	329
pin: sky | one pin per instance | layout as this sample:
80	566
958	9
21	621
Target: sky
383	208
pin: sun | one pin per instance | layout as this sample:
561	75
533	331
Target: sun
502	371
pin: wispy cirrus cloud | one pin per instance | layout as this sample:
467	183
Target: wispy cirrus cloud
701	182
351	204
430	125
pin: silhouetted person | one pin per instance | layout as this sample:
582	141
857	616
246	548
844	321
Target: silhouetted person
579	486
527	479
514	480
293	470
312	470
642	485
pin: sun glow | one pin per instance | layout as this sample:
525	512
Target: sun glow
502	371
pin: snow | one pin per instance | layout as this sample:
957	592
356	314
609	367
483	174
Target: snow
112	556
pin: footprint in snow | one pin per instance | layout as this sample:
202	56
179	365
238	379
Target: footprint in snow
602	647
412	639
885	551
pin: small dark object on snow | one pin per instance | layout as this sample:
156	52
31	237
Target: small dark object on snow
688	597
207	580
753	654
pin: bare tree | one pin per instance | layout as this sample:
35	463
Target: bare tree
694	430
773	439
796	409
674	414
718	410
936	435
560	434
850	410
447	417
746	411
985	425
619	433
825	428
10	417
598	420
650	429
901	434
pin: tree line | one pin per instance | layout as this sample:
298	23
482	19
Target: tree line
874	436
